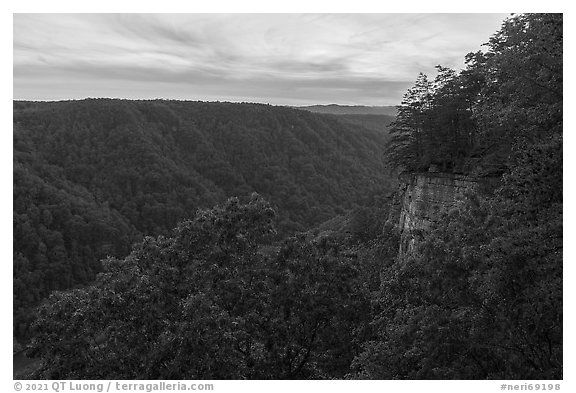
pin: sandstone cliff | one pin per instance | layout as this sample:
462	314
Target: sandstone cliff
420	199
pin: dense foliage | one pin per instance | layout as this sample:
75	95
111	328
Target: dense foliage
470	121
482	295
91	177
213	300
483	299
155	162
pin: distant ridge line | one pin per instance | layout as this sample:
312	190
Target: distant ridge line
336	109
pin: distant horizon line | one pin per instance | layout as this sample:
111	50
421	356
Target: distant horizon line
208	101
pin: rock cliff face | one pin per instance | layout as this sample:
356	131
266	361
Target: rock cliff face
420	199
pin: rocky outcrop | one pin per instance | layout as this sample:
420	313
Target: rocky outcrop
420	199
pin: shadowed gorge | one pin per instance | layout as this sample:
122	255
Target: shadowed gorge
92	176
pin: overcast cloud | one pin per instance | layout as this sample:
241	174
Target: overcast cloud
282	59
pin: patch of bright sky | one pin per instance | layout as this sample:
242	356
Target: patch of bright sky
282	59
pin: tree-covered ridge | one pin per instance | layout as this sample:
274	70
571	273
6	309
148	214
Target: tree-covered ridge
93	176
470	121
360	110
170	157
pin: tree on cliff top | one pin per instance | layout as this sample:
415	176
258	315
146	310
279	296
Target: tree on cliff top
406	147
508	95
434	123
522	94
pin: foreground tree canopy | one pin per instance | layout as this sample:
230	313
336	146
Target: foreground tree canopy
210	301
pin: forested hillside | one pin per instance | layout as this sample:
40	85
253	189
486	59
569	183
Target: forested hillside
377	118
93	176
378	123
335	109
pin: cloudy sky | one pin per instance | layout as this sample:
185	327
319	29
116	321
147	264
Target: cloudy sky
281	59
